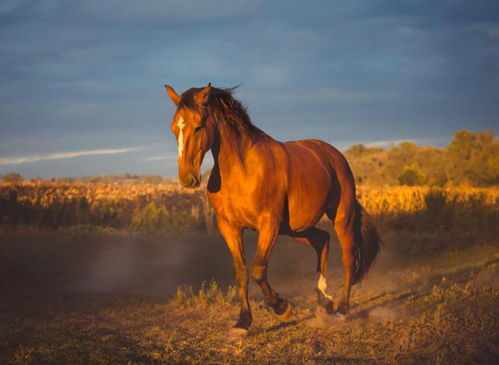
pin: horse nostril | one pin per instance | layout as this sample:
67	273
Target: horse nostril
190	181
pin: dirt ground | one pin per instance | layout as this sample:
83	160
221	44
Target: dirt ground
112	298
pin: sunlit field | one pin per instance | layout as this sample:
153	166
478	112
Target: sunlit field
145	207
171	209
137	274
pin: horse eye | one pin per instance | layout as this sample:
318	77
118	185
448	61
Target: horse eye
197	129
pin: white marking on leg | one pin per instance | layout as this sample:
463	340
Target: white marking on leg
322	286
180	125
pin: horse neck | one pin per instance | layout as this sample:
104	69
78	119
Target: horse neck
230	148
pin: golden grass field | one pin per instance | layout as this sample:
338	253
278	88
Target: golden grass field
166	207
110	296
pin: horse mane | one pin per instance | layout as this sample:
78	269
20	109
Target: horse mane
226	111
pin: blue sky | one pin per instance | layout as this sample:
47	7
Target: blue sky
81	82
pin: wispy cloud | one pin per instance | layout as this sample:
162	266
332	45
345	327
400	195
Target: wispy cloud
62	155
486	28
344	145
162	157
171	160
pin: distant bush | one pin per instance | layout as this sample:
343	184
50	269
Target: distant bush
412	175
12	177
151	218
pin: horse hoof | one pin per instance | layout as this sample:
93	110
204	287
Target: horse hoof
237	334
340	317
323	314
287	316
324	319
343	308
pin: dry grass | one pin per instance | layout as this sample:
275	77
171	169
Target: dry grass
139	207
438	309
170	209
412	199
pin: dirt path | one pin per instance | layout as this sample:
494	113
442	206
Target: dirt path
435	308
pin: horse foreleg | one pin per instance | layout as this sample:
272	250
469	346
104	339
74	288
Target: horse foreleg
233	237
266	238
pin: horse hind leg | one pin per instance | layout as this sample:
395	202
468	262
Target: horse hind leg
319	240
345	231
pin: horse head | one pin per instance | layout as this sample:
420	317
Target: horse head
194	133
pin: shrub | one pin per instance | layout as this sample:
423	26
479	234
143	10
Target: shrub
412	175
12	177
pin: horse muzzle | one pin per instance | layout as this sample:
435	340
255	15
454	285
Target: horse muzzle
190	181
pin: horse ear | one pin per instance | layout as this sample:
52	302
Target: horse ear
173	95
202	96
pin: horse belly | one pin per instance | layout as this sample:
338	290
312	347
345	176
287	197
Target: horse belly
306	210
310	184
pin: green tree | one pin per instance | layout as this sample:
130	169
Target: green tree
473	158
151	218
360	150
367	163
412	175
433	162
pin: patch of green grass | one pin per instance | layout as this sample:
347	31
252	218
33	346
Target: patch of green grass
207	294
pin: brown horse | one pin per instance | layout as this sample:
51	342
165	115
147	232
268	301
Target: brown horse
274	188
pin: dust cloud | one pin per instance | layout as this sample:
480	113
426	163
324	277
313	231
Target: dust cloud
154	266
146	265
138	264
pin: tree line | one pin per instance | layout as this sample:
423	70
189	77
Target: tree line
470	159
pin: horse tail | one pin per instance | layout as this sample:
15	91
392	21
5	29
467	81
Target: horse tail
367	243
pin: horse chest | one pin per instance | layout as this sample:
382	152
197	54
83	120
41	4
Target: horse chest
236	208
